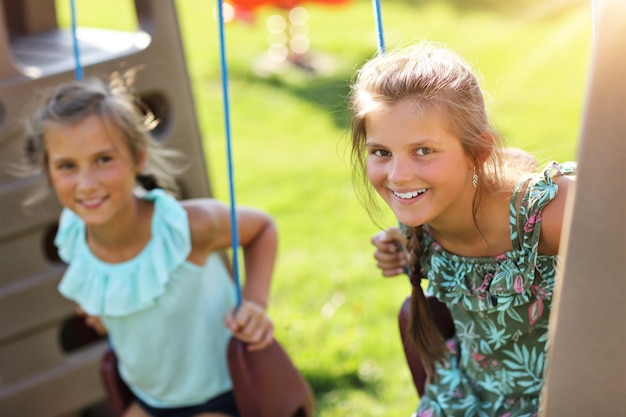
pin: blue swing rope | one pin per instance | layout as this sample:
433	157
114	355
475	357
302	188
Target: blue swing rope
381	50
78	69
229	154
379	26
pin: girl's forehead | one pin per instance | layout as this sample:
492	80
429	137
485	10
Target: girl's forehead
407	111
412	105
405	124
88	134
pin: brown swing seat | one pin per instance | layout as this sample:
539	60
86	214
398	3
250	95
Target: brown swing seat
265	383
119	396
443	320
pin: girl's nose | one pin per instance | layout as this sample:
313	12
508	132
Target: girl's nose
87	180
400	170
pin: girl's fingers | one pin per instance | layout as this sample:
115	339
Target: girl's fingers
240	317
251	325
390	262
392	272
382	239
262	336
389	254
96	324
389	236
264	341
388	257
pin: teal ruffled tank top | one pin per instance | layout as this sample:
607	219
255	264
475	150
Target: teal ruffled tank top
164	315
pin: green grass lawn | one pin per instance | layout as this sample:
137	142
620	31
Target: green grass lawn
334	313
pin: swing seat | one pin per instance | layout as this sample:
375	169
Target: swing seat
118	394
266	383
443	321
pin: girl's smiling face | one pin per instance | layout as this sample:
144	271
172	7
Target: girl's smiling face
417	166
91	169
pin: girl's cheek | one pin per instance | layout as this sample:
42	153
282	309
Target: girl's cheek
375	172
370	167
60	182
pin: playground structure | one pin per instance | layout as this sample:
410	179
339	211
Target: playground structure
49	358
586	373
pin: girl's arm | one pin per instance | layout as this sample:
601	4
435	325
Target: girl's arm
258	237
211	231
552	217
92	321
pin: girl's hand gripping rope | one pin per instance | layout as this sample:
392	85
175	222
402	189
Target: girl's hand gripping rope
250	324
390	253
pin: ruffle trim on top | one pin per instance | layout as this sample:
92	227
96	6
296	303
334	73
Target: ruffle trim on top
480	284
120	289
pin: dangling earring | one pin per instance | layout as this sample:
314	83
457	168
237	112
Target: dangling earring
475	178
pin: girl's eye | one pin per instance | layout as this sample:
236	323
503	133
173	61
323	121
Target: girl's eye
64	166
380	152
104	159
424	151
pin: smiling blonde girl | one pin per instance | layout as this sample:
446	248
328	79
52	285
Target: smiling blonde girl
142	265
477	223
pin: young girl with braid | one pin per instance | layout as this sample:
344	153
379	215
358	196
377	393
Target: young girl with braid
477	223
143	266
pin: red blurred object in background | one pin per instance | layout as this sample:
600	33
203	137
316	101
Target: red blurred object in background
244	9
251	5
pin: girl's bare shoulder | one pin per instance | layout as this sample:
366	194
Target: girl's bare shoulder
553	215
205	217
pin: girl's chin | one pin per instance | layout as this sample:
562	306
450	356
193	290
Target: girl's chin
408	218
411	224
408	221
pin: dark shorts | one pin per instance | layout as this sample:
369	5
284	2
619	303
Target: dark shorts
223	403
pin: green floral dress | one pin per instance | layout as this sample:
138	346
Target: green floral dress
500	307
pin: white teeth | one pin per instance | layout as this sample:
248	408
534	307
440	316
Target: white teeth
410	194
91	201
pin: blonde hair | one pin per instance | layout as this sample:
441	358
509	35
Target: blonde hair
72	102
432	78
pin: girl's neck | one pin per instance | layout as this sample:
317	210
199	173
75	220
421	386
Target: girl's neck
487	236
124	238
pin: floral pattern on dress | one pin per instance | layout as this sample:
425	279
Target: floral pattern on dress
500	307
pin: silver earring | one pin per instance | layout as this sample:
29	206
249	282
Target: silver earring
475	178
